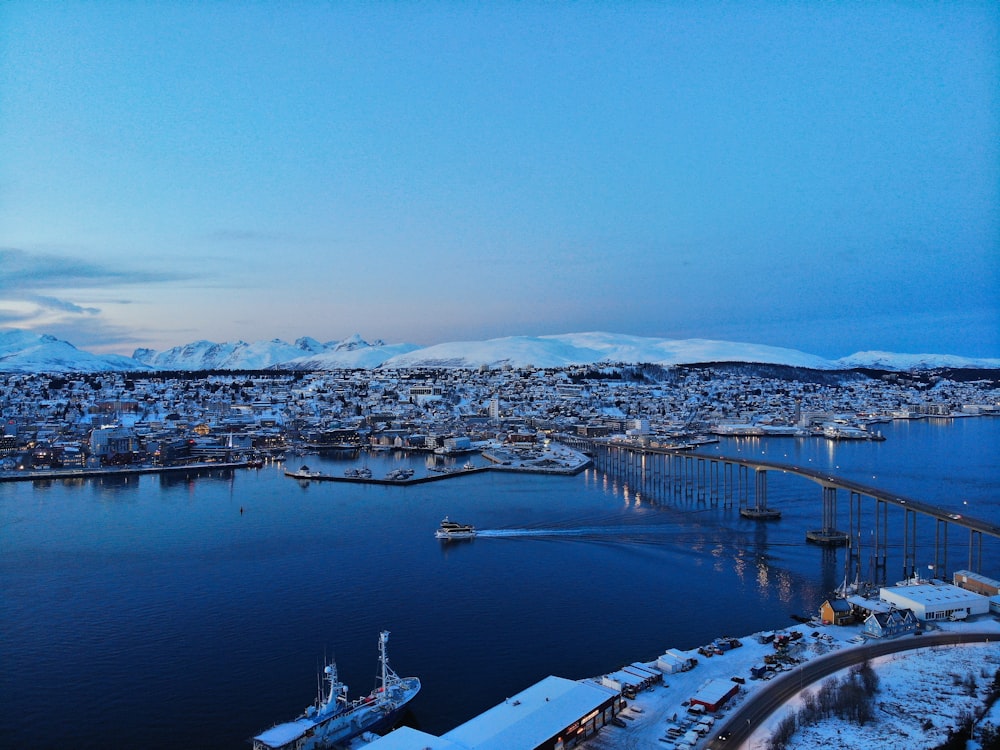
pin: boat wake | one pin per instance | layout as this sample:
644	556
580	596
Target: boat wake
592	531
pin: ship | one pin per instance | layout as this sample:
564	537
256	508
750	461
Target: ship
453	530
334	719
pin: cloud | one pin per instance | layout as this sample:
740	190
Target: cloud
22	271
14	316
36	290
52	303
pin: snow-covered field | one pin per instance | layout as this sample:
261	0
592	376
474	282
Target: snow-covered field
921	694
920	698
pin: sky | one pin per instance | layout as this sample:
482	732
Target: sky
818	175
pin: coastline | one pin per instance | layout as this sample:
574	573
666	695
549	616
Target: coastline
39	475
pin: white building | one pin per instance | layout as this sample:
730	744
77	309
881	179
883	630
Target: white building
554	714
936	601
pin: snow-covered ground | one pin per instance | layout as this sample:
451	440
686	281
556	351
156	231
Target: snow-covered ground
915	687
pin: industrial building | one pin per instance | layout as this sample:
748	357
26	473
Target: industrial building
553	714
936	601
714	693
966	579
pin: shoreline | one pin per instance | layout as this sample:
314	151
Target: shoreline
47	475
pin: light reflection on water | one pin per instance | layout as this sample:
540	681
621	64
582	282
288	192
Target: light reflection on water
192	610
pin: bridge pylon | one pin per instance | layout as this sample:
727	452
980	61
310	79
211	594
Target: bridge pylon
759	511
828	535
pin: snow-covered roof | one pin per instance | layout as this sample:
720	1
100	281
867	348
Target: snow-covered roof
714	691
871	605
282	734
532	716
407	738
930	594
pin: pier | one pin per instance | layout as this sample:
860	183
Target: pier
42	475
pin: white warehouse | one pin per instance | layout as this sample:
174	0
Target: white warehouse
936	601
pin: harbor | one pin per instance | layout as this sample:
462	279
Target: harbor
729	693
556	459
237	612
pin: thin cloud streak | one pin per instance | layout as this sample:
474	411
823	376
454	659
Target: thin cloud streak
21	270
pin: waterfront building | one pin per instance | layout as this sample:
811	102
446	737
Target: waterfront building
936	601
553	714
889	624
106	442
836	611
966	579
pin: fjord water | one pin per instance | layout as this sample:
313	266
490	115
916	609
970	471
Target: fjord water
195	611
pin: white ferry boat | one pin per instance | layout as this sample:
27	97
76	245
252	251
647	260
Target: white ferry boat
453	530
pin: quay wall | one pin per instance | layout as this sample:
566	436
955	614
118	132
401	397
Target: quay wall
31	475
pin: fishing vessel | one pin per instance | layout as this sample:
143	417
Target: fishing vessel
335	719
453	530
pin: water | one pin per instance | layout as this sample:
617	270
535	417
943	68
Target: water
155	612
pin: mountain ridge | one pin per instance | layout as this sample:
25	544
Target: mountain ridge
24	351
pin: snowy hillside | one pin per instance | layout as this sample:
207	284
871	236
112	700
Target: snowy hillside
890	361
356	357
207	355
590	348
305	354
21	351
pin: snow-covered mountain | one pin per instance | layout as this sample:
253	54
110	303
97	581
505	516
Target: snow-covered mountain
590	348
305	354
891	361
21	351
239	355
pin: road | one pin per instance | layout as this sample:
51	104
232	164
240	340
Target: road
763	702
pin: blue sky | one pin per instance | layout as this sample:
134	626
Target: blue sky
822	176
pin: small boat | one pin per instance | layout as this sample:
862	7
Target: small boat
304	472
452	530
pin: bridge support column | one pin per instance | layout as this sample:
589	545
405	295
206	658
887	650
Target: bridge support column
852	560
760	511
881	540
701	478
743	486
976	548
828	535
727	485
940	548
909	543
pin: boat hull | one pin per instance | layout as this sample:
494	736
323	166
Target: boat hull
454	534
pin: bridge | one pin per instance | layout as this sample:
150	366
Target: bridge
724	480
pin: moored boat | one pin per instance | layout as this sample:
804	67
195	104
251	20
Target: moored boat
304	472
334	719
453	530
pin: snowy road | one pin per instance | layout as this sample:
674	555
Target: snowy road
762	703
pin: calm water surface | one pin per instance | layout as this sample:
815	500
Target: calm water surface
154	613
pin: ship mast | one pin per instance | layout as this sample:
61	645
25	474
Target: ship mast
383	639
